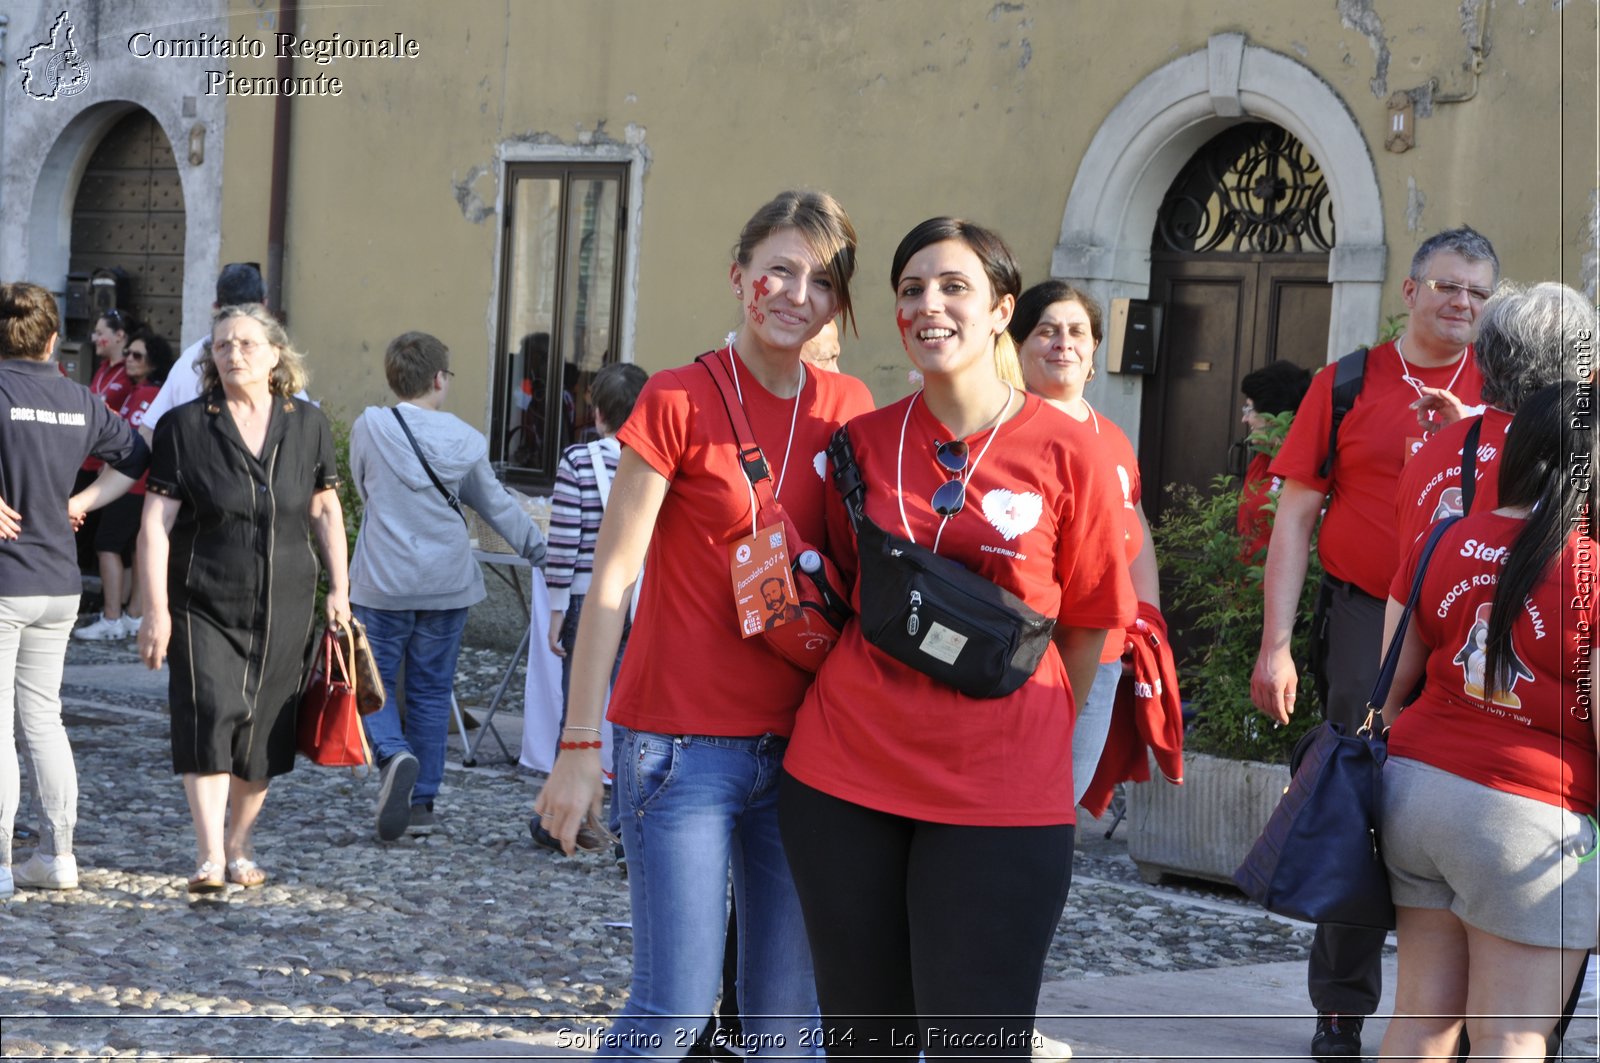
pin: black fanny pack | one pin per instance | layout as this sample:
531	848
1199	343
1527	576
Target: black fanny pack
934	614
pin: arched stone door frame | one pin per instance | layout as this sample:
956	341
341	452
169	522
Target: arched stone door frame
54	177
1155	129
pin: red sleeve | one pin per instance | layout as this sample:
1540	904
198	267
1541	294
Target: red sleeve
658	428
1306	447
1400	587
1090	563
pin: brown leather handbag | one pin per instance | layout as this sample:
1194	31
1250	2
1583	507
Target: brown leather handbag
364	669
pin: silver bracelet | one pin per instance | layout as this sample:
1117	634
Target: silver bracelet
574	727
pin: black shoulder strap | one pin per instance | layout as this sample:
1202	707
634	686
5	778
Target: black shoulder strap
1391	655
1469	466
449	499
1347	379
751	460
847	476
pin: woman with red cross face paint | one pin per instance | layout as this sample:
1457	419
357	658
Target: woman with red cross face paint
703	714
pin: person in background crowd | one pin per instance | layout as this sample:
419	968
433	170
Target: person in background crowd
822	350
1490	786
1056	329
931	833
146	362
1529	338
1272	389
239	284
413	577
48	425
240	481
110	381
700	747
576	506
1451	276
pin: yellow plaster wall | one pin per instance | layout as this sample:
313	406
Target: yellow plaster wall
901	108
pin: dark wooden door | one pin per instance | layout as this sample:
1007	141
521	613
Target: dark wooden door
1226	315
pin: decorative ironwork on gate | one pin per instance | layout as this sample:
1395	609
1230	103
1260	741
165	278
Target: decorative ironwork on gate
1252	188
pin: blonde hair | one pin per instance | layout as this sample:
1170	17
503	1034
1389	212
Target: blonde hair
1007	362
288	376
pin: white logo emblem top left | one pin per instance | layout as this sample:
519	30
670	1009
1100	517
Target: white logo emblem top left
55	68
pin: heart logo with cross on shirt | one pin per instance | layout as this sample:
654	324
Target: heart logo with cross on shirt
1012	513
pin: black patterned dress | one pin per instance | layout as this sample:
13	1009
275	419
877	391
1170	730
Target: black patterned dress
241	580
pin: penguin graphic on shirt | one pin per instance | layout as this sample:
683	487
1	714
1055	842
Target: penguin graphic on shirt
1450	505
1473	659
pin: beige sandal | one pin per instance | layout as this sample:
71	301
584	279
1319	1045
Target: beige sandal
242	871
207	878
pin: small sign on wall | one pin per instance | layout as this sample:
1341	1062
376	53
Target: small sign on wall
1134	336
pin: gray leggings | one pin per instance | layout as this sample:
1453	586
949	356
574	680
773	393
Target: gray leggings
1092	726
33	650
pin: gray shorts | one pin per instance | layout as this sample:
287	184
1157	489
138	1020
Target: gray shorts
1503	863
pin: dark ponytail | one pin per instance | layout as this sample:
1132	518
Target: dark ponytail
1548	468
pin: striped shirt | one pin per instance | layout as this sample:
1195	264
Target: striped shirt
575	512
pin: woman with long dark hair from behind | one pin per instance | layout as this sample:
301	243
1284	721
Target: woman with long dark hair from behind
703	716
931	832
1489	790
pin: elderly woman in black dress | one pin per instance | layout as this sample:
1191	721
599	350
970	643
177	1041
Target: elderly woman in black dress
242	479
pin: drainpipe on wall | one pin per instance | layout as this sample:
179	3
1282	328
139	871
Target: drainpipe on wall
5	269
278	201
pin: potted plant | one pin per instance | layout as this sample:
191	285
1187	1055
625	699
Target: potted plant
1235	759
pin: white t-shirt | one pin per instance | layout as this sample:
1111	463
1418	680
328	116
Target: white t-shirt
183	385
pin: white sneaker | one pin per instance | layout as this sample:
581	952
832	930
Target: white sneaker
130	626
102	630
6	886
41	872
1049	1049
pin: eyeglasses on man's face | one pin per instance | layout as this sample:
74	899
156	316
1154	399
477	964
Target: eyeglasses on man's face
1450	289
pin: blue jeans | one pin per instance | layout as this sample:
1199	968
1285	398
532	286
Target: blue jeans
428	641
694	806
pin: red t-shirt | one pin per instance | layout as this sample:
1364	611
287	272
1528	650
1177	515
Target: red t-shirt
1430	486
1109	444
1042	519
1528	741
1254	523
687	670
1358	543
111	383
132	411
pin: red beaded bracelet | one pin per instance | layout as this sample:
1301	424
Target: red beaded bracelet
579	745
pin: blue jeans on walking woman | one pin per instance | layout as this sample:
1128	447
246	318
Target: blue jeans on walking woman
694	807
428	641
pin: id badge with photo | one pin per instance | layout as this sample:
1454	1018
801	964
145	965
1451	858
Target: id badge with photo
763	589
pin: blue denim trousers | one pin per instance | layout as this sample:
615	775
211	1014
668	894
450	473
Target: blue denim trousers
694	808
428	641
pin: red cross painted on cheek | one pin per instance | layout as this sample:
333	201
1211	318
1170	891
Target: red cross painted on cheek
760	288
902	320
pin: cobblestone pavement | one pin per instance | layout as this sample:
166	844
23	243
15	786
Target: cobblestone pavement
357	948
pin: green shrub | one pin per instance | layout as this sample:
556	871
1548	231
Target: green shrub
1220	597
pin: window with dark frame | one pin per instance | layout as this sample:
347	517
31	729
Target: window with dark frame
560	311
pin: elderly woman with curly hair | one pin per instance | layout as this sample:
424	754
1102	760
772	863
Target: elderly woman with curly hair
241	480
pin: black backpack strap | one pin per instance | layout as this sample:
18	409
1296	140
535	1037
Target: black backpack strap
847	476
449	499
1347	380
1469	466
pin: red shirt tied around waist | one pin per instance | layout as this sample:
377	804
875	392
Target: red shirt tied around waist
1358	542
1043	519
688	670
1430	486
1525	740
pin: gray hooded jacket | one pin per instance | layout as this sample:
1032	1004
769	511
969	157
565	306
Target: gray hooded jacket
413	552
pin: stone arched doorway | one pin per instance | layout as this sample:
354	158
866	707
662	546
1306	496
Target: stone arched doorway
1153	132
128	215
1239	263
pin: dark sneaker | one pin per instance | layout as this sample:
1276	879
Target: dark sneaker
398	776
1337	1037
422	820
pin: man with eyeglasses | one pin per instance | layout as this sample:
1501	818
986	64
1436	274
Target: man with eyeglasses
1452	274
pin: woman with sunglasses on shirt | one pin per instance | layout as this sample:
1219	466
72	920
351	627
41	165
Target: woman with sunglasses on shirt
930	832
703	715
1056	329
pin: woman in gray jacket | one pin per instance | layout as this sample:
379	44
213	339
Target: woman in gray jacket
413	575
